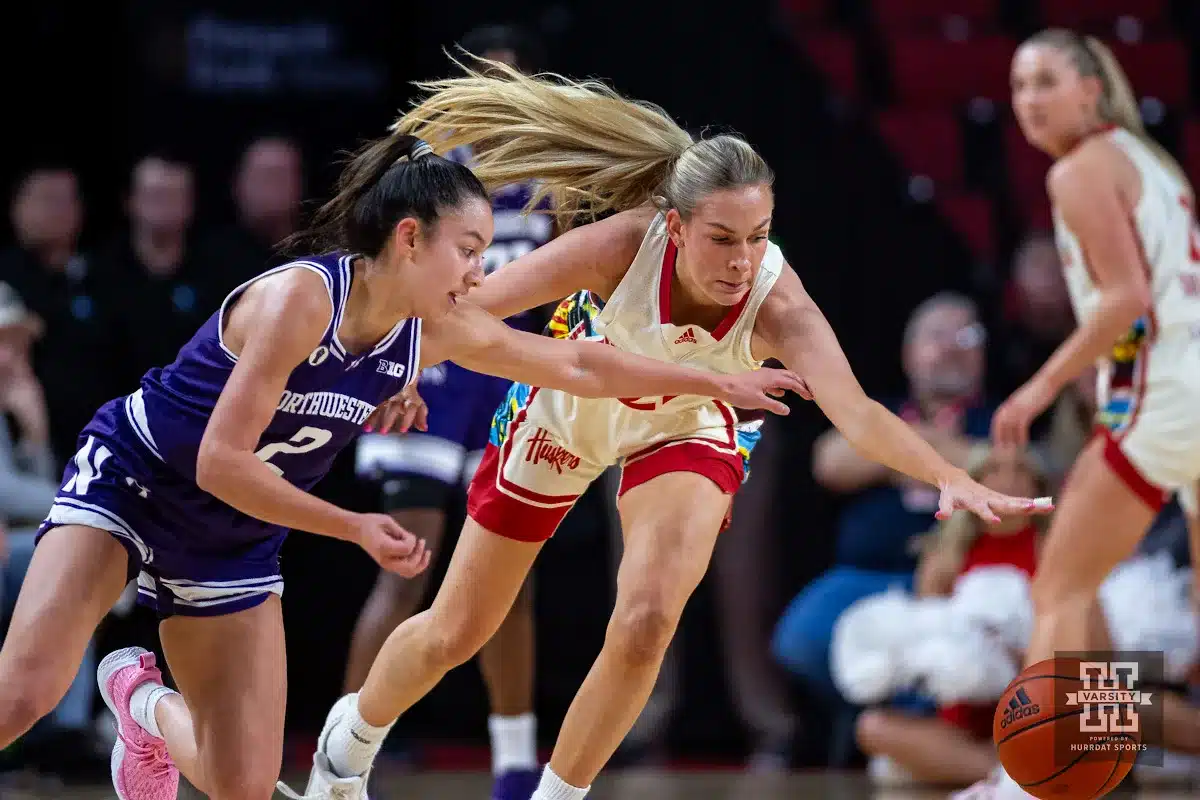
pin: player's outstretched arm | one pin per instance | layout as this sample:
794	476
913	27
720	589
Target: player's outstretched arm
791	328
593	256
478	341
274	327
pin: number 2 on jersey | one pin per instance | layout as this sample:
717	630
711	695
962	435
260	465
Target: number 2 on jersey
305	440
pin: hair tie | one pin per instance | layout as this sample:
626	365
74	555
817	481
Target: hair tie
419	149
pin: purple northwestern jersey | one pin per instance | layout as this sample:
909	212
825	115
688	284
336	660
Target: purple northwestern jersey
516	233
323	407
134	475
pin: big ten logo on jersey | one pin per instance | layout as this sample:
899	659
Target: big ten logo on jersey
393	369
1189	281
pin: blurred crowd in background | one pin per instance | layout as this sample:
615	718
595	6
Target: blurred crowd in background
80	325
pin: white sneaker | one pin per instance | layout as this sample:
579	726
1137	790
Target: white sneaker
883	771
323	784
997	786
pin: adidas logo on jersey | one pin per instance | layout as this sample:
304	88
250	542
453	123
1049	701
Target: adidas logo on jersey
393	369
687	338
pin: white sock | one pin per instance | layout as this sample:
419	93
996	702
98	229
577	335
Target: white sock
1007	788
143	702
514	743
353	744
553	787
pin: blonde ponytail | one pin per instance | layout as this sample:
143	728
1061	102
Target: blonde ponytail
1118	102
588	148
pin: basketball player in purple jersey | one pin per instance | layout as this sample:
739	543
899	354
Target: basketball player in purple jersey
190	484
425	474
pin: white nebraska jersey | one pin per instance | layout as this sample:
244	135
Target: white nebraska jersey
1166	228
637	318
1148	387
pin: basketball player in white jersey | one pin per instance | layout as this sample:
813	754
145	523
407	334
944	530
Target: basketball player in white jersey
684	273
1126	231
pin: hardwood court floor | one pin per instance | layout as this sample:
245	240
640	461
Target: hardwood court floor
632	785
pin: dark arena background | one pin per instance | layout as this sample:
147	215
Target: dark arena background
901	177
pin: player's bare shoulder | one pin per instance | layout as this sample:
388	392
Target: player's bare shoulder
1096	161
619	238
297	297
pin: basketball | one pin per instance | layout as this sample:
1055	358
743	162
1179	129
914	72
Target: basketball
1043	739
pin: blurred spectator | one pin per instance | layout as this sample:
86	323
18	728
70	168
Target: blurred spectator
943	355
955	746
74	359
28	483
268	189
166	280
1039	314
508	44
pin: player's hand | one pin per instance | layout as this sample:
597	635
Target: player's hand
1010	423
22	396
392	547
962	493
400	414
758	389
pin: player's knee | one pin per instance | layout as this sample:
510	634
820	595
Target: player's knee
240	780
869	730
399	593
457	638
27	693
641	628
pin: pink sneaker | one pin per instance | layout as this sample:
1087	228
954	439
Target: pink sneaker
141	767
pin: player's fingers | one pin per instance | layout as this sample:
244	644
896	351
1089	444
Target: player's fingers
775	407
983	510
372	421
401	541
412	564
786	379
945	506
405	548
410	414
422	419
1005	504
388	420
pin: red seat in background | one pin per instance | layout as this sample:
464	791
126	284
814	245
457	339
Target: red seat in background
808	12
931	16
972	216
1191	148
927	142
1159	68
1025	167
835	55
930	72
1102	15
